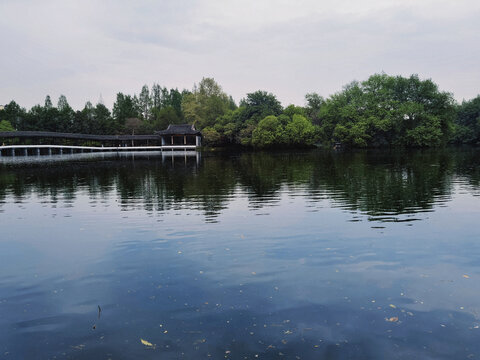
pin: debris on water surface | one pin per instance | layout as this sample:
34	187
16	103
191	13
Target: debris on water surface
466	276
392	306
148	344
392	319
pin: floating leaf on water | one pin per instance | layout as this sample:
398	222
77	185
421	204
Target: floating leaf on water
392	306
466	276
392	319
146	343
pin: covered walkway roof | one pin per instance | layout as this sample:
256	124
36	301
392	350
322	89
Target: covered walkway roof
46	134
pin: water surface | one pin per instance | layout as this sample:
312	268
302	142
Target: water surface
362	255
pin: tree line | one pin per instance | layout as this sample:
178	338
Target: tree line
383	111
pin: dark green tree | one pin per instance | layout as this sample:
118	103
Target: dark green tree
388	111
259	105
124	107
467	122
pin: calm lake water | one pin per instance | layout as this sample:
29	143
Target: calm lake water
363	255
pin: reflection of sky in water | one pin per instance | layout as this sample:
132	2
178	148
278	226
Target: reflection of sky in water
275	275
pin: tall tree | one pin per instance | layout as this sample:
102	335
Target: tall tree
314	104
124	108
145	103
65	115
467	122
156	96
205	104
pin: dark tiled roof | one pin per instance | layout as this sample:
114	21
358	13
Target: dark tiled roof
182	129
46	134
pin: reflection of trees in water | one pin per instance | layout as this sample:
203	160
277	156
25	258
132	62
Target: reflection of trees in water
467	167
375	182
381	183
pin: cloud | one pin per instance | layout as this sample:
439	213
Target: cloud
86	48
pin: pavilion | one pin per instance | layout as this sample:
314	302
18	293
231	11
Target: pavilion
182	134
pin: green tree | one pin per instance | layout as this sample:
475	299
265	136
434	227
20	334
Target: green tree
6	126
266	132
124	107
15	115
388	111
104	120
467	122
314	104
66	115
205	104
145	104
259	105
300	131
164	117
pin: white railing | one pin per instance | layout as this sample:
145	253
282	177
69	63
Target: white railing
70	149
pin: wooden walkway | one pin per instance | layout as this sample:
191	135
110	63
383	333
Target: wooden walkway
37	150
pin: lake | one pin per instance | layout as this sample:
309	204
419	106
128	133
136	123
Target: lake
295	255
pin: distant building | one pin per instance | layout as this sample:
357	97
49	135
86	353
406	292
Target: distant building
183	134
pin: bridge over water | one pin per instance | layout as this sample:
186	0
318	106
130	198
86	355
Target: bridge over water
176	138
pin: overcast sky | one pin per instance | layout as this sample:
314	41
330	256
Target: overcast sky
84	49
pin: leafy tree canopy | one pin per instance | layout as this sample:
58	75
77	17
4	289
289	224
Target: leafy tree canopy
386	110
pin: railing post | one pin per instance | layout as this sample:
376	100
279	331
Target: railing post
38	151
25	152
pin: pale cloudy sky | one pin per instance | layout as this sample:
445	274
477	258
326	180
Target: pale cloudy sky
84	48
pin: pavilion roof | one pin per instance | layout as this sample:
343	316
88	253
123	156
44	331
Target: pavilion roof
181	129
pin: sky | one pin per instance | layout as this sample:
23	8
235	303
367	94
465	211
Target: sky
91	50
